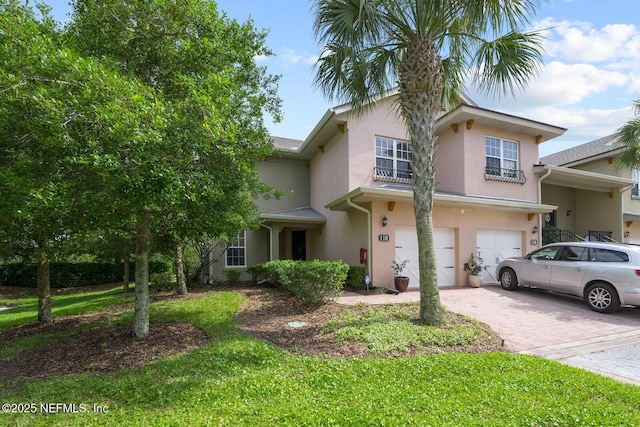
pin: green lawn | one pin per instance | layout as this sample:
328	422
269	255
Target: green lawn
238	381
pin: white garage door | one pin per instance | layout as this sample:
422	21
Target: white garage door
496	245
407	249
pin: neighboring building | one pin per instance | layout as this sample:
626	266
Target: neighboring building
596	200
349	192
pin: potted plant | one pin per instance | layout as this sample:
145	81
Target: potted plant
474	267
401	282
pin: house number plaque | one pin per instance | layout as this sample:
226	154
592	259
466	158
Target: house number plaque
383	237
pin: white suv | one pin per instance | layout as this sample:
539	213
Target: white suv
606	275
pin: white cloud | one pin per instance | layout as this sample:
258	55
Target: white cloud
567	84
576	41
292	56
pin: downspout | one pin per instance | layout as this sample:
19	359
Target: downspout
361	209
540	230
270	241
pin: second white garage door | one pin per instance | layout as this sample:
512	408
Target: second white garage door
496	245
407	249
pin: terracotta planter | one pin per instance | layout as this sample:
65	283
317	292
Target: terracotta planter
401	283
475	280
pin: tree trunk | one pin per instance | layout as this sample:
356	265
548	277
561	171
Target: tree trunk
126	274
143	237
181	283
44	285
420	100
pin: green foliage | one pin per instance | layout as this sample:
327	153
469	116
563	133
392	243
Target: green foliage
314	282
475	265
259	272
355	277
233	275
398	267
236	380
162	281
69	275
391	328
65	305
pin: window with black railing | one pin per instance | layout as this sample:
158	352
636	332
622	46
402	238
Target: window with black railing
635	175
502	161
393	160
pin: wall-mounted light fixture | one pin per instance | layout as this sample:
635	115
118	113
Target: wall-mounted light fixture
534	230
384	221
569	212
626	233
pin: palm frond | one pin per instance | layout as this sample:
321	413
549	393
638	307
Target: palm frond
627	138
507	63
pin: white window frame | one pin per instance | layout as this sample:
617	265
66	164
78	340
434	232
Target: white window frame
238	244
401	155
501	156
635	191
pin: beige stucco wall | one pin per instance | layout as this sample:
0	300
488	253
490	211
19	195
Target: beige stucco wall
565	199
289	175
475	161
464	222
379	121
449	157
598	212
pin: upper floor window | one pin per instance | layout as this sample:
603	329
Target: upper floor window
502	160
235	255
393	158
635	175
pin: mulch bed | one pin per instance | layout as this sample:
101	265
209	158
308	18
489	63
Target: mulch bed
106	348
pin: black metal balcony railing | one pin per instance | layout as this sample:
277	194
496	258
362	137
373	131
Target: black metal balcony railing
494	173
392	175
634	191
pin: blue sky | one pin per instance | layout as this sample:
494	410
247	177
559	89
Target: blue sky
590	78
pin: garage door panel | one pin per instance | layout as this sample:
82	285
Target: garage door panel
496	245
407	249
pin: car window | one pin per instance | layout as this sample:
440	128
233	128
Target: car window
574	253
546	253
608	255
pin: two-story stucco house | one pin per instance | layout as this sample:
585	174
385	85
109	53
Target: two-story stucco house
349	193
596	200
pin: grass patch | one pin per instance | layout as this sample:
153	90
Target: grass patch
239	381
64	305
394	328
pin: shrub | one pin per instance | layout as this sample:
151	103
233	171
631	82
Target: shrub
355	277
259	272
162	281
232	275
313	281
70	275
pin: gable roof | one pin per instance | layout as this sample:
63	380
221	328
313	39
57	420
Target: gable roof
285	144
465	113
582	153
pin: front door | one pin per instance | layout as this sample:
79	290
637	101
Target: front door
299	245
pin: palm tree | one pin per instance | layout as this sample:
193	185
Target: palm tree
627	137
425	49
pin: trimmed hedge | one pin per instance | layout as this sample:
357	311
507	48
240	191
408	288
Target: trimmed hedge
355	277
70	275
314	282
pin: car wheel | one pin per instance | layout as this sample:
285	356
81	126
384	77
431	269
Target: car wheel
508	279
602	297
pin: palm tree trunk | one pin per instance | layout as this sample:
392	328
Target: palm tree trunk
143	238
420	100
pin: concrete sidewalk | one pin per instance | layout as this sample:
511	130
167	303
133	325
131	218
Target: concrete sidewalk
541	323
